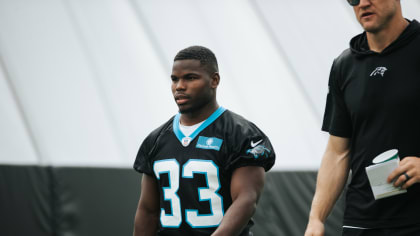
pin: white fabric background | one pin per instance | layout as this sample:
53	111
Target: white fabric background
83	82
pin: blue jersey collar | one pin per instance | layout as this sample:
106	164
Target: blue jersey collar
185	141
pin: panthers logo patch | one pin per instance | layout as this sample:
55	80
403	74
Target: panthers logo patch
259	151
379	70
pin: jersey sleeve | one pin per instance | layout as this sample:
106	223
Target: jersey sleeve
142	163
337	119
249	146
146	153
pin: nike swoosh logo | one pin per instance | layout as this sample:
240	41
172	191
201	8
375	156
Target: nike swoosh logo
255	144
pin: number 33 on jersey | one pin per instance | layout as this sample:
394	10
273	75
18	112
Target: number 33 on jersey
194	172
209	193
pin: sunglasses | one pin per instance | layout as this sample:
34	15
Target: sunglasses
353	2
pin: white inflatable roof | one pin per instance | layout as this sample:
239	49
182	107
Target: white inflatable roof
83	82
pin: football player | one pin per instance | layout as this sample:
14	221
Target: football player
204	169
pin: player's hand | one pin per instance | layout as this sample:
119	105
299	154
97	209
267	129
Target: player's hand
409	166
315	228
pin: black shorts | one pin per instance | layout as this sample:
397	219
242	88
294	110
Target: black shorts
411	230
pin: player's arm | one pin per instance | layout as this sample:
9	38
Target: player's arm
246	186
147	216
332	177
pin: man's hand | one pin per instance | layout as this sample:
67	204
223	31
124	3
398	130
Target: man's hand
315	228
409	166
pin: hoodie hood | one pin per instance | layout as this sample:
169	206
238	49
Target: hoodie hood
359	44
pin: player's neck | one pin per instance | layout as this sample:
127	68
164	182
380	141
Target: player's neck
380	40
199	115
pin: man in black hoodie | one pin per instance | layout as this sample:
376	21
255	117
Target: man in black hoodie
373	105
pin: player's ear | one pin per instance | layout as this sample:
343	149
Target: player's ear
215	79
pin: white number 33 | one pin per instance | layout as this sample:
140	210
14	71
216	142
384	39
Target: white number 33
192	216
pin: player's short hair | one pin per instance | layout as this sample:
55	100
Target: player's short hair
203	54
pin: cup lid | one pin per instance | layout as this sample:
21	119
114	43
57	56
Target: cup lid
386	156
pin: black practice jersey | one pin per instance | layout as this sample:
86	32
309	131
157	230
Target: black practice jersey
374	100
194	172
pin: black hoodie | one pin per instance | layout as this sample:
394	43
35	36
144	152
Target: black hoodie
374	100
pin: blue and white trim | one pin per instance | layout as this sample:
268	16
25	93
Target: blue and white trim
185	141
